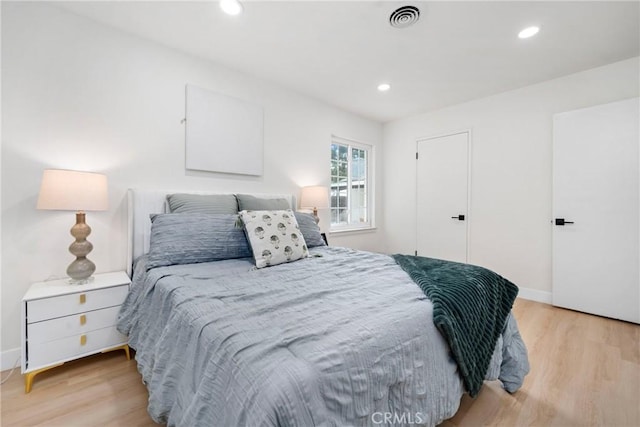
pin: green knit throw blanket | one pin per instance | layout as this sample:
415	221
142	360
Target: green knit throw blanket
470	308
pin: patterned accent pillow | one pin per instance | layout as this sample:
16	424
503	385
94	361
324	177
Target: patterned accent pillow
274	236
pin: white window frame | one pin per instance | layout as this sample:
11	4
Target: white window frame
369	185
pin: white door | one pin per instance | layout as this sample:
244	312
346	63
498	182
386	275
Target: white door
442	197
595	192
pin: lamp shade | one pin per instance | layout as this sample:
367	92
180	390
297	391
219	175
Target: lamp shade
315	196
67	190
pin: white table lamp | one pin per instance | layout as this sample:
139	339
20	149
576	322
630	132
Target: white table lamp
67	190
315	197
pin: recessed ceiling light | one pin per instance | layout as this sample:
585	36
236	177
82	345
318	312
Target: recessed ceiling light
383	87
231	7
528	32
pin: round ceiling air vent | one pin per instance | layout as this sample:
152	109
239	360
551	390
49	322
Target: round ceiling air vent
404	16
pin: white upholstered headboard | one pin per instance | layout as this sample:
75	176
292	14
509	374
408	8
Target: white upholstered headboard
142	203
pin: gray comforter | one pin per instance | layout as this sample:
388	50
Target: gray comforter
320	341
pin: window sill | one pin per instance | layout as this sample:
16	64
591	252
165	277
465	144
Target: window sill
353	230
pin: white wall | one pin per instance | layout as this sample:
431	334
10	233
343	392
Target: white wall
510	211
80	95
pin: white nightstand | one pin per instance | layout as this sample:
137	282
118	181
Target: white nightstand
63	322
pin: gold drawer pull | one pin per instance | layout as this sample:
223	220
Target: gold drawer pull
83	319
83	298
83	339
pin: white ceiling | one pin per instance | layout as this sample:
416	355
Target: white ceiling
340	51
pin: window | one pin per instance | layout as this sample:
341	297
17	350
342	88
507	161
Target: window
350	185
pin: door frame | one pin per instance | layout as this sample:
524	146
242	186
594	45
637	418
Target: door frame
469	133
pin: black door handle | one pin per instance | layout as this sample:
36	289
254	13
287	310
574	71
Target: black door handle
561	221
459	217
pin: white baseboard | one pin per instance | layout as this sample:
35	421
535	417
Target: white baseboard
535	295
8	359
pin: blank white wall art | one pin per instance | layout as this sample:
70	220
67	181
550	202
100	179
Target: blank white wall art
223	134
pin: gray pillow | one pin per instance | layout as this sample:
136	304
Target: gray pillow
203	203
193	238
309	229
247	202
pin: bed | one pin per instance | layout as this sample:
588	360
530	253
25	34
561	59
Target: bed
339	337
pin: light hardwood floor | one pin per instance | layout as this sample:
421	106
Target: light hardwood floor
585	371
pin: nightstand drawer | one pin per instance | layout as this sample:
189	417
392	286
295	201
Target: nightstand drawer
54	329
43	354
64	305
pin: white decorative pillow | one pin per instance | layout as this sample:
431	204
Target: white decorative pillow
274	236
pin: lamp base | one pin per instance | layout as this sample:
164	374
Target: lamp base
81	282
82	268
80	271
